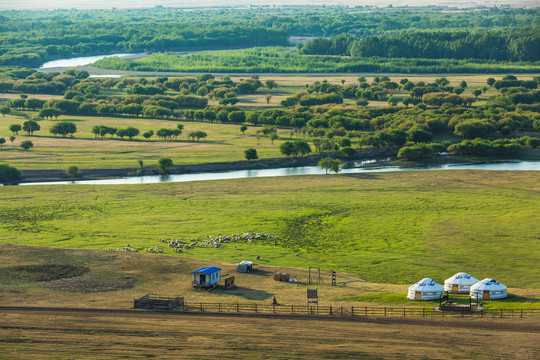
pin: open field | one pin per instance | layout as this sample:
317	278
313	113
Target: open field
33	335
53	277
29	334
224	143
386	228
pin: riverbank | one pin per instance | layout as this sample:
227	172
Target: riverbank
50	175
369	162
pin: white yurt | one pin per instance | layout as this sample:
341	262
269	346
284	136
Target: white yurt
460	283
488	289
425	289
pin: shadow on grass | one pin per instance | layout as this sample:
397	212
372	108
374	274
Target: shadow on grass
363	176
248	294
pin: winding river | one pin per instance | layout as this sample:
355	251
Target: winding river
79	61
359	168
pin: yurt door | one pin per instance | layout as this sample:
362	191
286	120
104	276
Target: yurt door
418	295
486	295
455	288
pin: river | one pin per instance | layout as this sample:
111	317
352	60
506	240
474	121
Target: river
359	168
79	61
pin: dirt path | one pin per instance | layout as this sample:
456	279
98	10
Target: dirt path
530	325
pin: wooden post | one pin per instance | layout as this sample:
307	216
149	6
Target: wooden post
237	307
521	316
366	310
352	310
201	307
255	308
403	312
330	309
385	311
292	309
501	313
219	307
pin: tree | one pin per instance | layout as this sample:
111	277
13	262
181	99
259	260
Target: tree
477	93
2	141
15	128
533	142
301	147
417	134
131	132
330	164
30	126
12	139
490	81
164	165
287	148
243	128
147	135
251	154
393	100
8	174
271	84
237	117
197	135
4	110
72	172
141	163
63	128
414	152
273	137
27	144
267	98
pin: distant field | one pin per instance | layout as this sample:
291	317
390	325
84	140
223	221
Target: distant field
387	228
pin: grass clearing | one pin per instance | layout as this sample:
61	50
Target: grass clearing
224	143
386	228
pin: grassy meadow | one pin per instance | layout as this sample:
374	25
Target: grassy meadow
386	228
224	143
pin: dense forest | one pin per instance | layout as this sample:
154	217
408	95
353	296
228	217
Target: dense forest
29	38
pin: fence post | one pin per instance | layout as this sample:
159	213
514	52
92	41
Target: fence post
330	309
366	310
219	307
521	316
403	312
201	307
292	309
342	311
423	312
501	313
255	308
352	311
237	307
385	311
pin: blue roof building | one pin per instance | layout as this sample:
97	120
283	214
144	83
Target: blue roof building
206	277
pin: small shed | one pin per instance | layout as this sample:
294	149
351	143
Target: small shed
244	266
488	289
425	289
206	277
460	283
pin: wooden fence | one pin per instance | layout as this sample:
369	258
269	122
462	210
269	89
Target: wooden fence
352	311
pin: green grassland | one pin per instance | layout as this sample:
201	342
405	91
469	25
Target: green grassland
390	228
224	143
